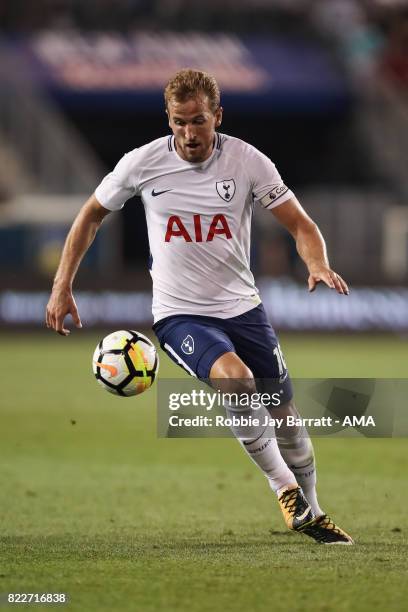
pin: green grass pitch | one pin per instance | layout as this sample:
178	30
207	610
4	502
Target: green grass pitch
93	504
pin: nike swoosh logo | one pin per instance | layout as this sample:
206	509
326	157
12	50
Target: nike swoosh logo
157	193
110	368
302	516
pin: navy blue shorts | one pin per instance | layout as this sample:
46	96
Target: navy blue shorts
195	342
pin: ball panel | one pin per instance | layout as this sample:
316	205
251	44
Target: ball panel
110	367
116	340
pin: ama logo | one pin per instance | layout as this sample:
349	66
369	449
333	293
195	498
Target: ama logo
187	346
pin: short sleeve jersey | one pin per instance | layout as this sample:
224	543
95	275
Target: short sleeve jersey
199	221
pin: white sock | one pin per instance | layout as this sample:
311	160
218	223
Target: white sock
263	451
298	453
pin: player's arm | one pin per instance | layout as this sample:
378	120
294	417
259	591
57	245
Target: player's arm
310	245
79	239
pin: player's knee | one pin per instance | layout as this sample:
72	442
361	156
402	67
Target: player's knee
229	373
229	365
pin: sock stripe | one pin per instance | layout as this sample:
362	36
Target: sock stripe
301	467
247	442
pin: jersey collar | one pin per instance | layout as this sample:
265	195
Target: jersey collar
216	148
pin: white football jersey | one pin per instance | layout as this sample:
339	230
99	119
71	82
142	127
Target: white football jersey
199	221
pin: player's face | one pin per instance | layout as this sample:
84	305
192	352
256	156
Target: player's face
193	124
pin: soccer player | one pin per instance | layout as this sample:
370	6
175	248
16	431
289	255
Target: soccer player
198	188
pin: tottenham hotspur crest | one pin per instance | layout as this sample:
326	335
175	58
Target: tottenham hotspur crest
226	189
187	346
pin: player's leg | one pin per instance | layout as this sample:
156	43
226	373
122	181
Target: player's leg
230	375
257	344
296	448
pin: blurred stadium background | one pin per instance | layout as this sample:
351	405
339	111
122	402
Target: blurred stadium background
319	86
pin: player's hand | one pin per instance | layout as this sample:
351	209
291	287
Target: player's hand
329	277
61	303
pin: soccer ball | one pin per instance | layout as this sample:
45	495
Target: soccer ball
125	363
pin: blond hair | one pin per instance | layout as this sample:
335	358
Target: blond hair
189	83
